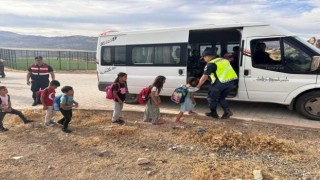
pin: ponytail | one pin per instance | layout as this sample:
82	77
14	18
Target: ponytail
120	74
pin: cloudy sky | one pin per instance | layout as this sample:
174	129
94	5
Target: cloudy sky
91	17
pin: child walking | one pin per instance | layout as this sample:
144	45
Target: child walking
5	107
119	90
189	101
66	105
152	110
47	97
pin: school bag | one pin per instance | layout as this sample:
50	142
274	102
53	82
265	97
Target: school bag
109	93
57	100
144	94
38	94
1	101
179	94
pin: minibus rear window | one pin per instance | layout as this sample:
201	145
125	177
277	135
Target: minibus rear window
106	56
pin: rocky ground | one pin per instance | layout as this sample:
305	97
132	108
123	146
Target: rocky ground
202	149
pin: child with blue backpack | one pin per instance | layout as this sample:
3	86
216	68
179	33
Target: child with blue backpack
66	105
189	101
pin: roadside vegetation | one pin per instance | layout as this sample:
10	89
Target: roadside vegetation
202	149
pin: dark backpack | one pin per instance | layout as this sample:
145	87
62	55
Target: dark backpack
57	100
179	94
144	95
38	94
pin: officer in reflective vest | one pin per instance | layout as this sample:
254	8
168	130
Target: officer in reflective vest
39	74
222	78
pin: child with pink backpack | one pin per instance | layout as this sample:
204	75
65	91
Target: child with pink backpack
117	91
152	110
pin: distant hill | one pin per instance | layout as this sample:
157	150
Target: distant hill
13	40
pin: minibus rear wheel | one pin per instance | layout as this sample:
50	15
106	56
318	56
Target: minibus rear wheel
309	105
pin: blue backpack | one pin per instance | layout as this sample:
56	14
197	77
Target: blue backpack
57	100
179	94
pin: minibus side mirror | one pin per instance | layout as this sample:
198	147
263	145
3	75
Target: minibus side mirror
315	63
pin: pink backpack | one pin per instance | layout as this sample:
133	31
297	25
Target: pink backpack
144	94
109	93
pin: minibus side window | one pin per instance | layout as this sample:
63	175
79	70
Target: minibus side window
167	55
296	59
142	55
120	55
106	56
156	55
266	52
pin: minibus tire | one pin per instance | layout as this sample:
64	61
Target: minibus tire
308	105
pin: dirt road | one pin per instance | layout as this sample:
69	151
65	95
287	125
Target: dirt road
87	94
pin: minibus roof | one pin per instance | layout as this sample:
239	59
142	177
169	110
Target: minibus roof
196	27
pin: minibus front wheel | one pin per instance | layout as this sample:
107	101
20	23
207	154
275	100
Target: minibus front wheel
308	105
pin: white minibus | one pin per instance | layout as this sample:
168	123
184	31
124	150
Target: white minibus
291	77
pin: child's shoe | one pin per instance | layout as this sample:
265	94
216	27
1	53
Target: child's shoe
49	124
60	122
66	130
52	122
119	121
147	120
158	123
179	122
191	112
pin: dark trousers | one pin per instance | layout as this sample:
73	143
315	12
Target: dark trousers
36	86
14	111
67	115
217	95
2	74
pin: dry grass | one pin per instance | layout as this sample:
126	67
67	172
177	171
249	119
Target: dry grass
219	139
99	149
231	170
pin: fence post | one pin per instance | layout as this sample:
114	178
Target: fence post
15	58
59	59
69	62
49	60
27	56
8	57
87	64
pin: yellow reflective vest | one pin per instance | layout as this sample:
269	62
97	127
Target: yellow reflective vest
224	72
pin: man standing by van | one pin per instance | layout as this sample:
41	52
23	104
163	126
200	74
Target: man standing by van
39	73
222	78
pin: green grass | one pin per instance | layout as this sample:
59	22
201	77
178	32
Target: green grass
64	64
